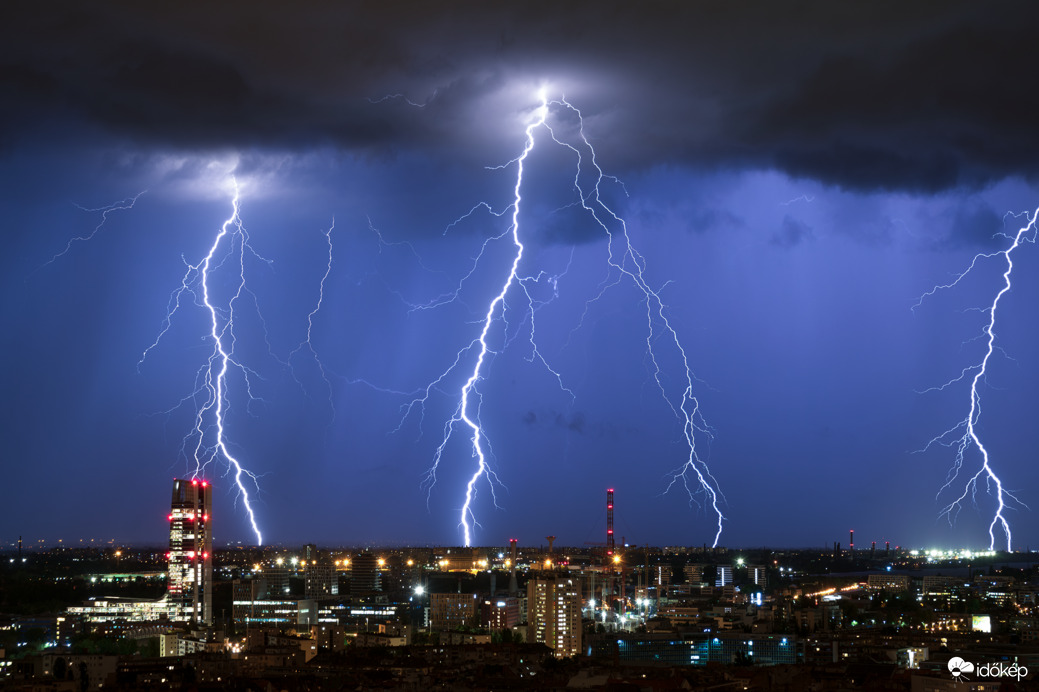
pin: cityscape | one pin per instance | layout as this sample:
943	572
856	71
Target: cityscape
476	346
600	616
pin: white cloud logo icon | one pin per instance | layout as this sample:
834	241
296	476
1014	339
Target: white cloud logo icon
957	666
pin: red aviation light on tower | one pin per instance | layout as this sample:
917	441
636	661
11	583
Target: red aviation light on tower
194	481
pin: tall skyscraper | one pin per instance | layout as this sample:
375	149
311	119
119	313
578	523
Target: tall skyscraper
554	614
189	590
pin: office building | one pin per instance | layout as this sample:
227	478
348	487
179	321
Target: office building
321	579
189	591
365	577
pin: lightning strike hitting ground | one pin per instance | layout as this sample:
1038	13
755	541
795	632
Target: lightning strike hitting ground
964	435
211	393
631	266
624	263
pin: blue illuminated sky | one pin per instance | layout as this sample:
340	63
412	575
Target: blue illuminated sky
795	178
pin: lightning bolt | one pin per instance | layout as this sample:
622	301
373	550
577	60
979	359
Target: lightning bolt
405	99
625	263
211	397
630	264
964	435
121	205
307	344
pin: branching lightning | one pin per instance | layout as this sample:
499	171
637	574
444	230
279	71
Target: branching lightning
307	344
964	435
121	205
630	264
624	263
207	440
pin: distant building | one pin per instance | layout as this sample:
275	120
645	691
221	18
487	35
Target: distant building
500	613
756	573
724	577
452	610
189	591
114	608
245	597
940	585
693	573
364	574
888	582
253	603
276	580
277	612
554	615
322	581
660	575
701	649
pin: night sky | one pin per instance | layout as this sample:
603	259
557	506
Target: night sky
795	177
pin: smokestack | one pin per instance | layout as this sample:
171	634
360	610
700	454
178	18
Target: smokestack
887	548
609	524
513	586
873	550
851	541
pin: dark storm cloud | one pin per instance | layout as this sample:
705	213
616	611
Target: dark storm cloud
867	96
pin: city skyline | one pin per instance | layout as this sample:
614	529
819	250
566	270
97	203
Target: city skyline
791	184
